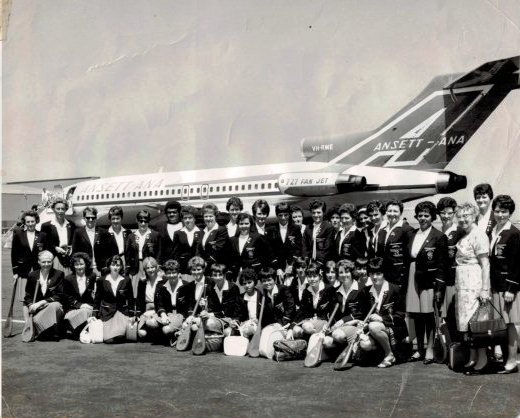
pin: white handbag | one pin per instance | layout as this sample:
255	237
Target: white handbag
235	345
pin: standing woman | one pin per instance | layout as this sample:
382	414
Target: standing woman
113	300
350	241
146	291
186	239
60	232
505	274
428	255
234	206
393	244
215	240
471	278
248	249
446	210
78	292
483	194
46	307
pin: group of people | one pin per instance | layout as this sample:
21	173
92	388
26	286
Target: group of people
351	263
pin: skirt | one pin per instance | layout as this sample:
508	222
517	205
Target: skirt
77	317
115	326
510	311
468	284
417	300
47	317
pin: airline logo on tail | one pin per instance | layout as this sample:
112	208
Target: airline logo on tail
430	130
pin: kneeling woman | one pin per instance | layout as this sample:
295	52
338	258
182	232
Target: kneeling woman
165	300
43	293
78	293
386	327
250	303
146	289
113	300
350	314
317	304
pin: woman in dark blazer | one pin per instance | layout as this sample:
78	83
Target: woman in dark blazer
386	328
87	239
145	298
248	249
60	244
428	253
318	238
297	283
350	312
215	240
504	262
46	307
78	293
165	300
393	245
446	211
350	242
114	300
250	303
24	255
318	301
187	240
279	304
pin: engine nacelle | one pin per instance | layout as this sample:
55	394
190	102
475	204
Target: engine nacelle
320	184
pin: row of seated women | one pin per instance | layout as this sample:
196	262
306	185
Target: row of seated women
165	302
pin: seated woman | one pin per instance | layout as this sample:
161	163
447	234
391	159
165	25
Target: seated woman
350	312
250	303
78	293
43	296
360	273
165	300
113	300
329	272
223	300
317	304
146	290
386	327
298	282
279	304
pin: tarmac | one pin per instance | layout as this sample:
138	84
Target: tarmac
70	379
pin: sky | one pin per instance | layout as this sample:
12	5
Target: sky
106	88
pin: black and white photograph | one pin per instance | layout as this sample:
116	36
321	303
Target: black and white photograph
222	208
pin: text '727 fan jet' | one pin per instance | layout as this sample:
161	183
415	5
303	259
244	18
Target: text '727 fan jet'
405	158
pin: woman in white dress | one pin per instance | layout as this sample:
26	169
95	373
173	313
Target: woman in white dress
471	278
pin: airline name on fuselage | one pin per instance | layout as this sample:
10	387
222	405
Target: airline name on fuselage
123	186
416	143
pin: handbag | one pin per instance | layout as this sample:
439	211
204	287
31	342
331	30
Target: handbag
487	332
289	350
131	330
92	333
458	355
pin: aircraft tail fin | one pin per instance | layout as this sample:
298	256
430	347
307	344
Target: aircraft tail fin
429	131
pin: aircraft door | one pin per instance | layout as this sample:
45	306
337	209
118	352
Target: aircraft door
204	195
185	192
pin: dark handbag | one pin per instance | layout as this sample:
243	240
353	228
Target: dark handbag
488	332
458	356
289	350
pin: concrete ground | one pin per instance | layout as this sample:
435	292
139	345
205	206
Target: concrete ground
70	379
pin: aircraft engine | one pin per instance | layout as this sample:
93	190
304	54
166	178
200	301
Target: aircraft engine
319	184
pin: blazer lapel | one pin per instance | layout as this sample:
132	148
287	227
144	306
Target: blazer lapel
427	240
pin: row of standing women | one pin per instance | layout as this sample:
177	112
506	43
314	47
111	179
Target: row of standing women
452	269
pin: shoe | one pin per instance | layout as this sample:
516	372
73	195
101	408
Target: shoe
428	361
469	366
508	371
388	361
478	372
417	356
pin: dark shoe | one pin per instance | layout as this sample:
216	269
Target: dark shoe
469	366
428	361
508	371
478	372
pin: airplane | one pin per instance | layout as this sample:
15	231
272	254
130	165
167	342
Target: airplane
406	158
